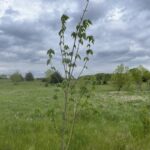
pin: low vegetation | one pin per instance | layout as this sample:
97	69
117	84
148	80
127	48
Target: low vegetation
114	116
110	120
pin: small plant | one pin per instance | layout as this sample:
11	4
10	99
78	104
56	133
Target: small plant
71	56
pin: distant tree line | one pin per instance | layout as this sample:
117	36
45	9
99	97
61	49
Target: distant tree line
50	77
121	78
125	77
17	77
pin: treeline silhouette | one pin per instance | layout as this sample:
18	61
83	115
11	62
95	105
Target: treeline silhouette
122	77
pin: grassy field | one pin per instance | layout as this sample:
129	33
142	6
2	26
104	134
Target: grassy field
122	121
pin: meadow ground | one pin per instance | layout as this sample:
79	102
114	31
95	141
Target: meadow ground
121	120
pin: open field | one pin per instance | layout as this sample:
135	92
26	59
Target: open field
121	120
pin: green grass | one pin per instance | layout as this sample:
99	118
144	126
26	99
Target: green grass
121	120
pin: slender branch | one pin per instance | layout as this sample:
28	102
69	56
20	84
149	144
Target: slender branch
72	127
62	58
75	58
73	122
73	48
64	122
54	123
82	69
63	42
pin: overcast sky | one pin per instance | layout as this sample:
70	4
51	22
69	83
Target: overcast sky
28	28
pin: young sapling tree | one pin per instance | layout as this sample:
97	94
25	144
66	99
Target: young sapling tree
71	56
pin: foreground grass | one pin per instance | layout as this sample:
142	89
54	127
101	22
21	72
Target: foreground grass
119	121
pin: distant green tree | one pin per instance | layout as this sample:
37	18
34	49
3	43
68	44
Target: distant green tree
29	76
137	74
52	77
56	78
146	76
3	76
121	77
48	75
102	78
145	73
16	77
148	84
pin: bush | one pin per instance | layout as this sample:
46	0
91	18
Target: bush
16	77
29	77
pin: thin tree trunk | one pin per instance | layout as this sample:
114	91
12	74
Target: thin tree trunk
64	121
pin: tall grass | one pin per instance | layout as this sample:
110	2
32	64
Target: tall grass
117	122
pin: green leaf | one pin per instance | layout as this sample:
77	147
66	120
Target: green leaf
74	46
66	60
86	23
91	39
77	27
60	32
89	45
78	56
89	52
85	67
84	36
50	52
48	61
89	21
72	65
74	35
70	54
66	47
81	41
86	58
53	68
64	18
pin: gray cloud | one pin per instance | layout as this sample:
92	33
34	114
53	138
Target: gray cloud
121	30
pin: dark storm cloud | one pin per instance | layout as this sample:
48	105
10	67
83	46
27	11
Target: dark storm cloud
20	29
121	30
